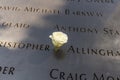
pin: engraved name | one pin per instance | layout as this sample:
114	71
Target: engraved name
57	74
14	25
83	13
92	51
7	70
63	12
87	29
9	8
69	28
47	11
21	45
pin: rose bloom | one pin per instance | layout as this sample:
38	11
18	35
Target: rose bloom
59	38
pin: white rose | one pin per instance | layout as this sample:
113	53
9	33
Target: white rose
58	39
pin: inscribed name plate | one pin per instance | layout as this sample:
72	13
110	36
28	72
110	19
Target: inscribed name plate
91	53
